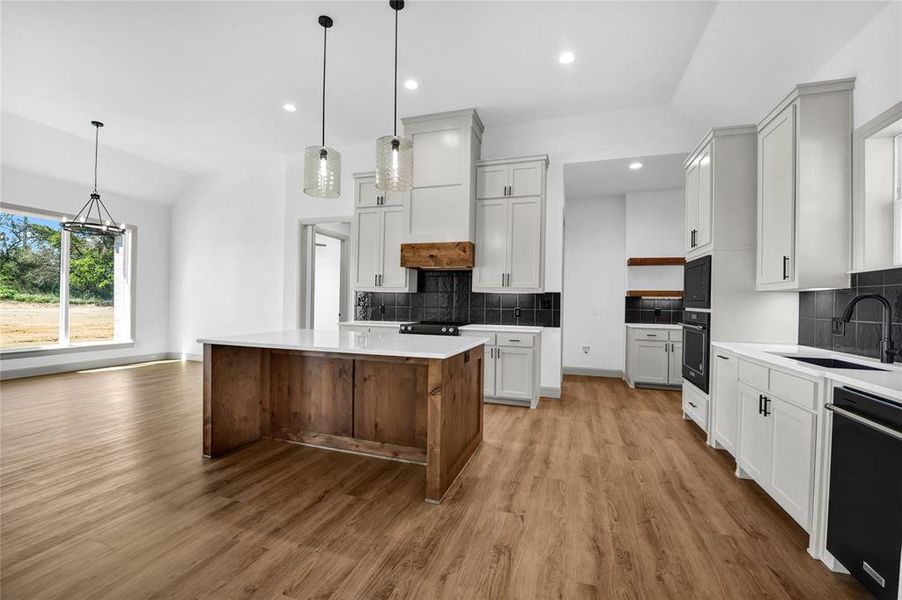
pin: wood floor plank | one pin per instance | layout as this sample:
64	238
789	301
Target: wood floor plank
606	493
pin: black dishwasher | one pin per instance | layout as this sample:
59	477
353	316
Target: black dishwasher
864	520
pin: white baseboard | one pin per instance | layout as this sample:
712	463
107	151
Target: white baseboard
84	365
550	392
593	372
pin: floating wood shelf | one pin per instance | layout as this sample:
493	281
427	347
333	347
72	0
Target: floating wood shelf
654	293
652	261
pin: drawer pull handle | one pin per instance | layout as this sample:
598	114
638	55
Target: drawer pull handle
693	404
512	340
723	357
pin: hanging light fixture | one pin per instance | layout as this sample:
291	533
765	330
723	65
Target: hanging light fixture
94	218
394	154
322	165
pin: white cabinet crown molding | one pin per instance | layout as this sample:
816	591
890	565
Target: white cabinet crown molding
808	89
487	162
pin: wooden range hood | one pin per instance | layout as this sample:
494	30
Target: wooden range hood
439	256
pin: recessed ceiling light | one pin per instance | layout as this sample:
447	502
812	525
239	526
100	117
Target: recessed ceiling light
565	58
411	84
635	166
290	107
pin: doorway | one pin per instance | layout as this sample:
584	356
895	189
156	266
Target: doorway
325	274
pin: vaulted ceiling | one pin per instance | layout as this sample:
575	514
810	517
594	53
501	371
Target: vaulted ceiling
194	85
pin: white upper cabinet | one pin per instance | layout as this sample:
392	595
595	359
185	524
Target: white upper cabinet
445	147
720	192
776	154
378	231
804	189
699	201
510	225
491	243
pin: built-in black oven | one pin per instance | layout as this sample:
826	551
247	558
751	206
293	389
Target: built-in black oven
696	346
697	283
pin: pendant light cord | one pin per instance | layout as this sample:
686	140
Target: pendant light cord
396	73
325	32
96	145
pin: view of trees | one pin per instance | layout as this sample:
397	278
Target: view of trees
30	263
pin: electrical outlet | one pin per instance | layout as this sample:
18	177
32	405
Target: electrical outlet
586	349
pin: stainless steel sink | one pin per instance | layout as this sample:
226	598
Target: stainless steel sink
831	363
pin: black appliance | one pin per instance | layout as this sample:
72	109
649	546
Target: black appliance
432	328
696	345
864	518
697	283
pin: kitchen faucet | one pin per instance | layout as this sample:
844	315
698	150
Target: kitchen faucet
887	353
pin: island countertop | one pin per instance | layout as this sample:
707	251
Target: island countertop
380	343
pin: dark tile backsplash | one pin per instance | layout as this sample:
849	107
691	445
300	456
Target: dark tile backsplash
446	296
862	334
654	310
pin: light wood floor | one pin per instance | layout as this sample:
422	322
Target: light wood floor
606	493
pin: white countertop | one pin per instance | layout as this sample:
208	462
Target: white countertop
351	342
394	324
885	383
654	326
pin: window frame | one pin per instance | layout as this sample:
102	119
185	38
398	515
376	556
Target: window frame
125	339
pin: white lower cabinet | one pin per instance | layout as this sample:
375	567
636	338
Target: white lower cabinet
513	373
654	356
512	362
725	400
777	437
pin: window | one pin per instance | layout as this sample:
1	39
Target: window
60	289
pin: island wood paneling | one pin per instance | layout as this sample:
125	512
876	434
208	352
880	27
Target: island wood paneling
232	397
310	393
455	421
390	402
438	255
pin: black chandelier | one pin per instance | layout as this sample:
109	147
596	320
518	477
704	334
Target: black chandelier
94	218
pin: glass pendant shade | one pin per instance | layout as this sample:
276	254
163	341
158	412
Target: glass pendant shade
394	164
322	172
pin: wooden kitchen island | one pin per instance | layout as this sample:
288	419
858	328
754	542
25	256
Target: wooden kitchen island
415	398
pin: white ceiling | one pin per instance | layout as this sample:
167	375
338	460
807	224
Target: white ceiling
198	85
602	178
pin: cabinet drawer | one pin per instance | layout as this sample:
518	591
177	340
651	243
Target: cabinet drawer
489	336
696	406
753	374
650	334
515	339
794	389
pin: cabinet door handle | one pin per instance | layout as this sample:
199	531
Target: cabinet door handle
785	267
760	403
766	401
375	280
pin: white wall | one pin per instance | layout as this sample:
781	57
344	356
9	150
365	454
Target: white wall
595	264
654	227
227	267
151	253
874	58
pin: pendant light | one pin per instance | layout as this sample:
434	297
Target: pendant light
394	154
94	218
322	165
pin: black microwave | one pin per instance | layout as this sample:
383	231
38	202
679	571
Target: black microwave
697	283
